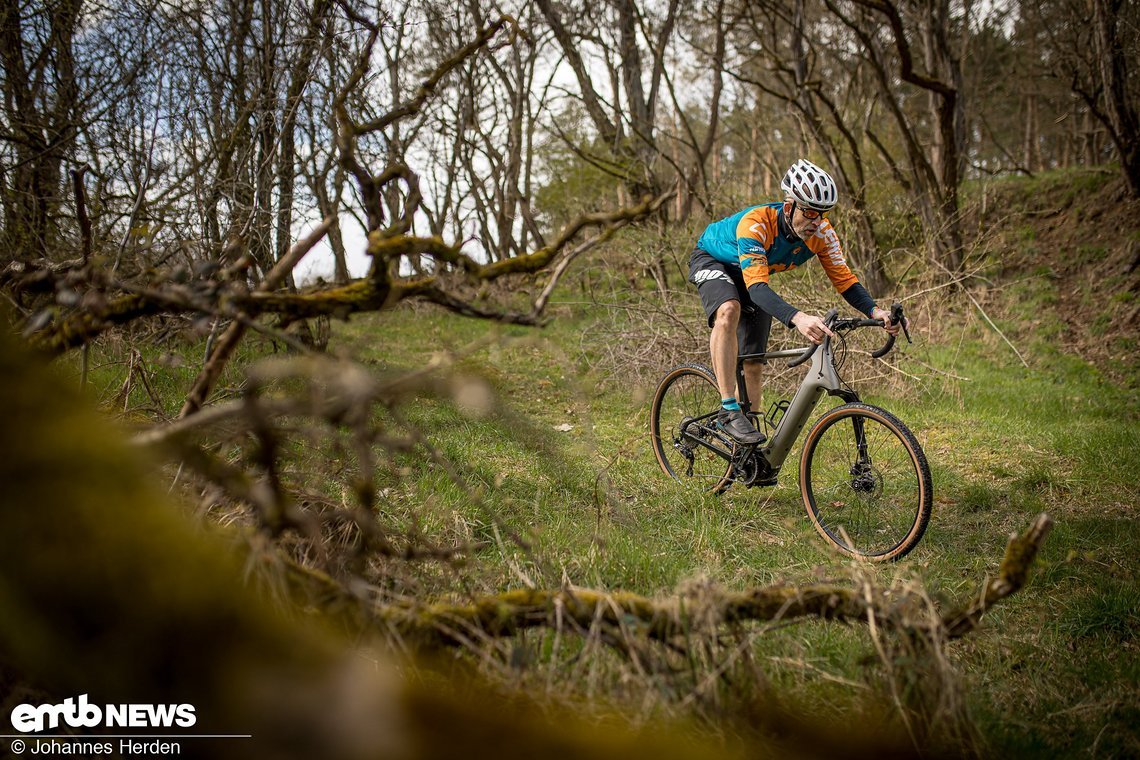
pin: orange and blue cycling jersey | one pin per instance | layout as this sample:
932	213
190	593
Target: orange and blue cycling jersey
751	239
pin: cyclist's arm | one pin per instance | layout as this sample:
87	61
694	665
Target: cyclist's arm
830	253
769	300
859	298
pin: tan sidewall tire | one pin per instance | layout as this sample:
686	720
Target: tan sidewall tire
918	459
655	427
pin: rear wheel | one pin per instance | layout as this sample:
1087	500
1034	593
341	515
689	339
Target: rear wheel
685	440
866	483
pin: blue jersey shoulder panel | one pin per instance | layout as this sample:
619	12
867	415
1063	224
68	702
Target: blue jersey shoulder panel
719	238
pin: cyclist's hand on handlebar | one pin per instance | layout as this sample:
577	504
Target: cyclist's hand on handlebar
811	326
885	315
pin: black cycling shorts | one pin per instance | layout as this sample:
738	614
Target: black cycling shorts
719	283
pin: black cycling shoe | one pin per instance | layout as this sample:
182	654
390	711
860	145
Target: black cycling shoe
737	425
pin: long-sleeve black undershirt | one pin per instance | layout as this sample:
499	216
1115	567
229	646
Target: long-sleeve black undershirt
770	301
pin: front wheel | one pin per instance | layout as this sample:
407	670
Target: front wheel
866	483
682	424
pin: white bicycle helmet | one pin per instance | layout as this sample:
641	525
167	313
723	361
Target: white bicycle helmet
810	186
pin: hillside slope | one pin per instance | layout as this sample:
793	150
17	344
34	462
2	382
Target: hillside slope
1067	243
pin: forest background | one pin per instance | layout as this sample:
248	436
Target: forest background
411	462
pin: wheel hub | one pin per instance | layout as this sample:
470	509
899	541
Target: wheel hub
865	479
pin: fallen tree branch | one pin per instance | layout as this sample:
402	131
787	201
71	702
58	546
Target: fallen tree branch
78	328
362	295
538	260
1019	555
510	612
448	624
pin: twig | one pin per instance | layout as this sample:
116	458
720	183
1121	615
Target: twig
274	334
995	327
954	281
564	264
901	371
204	383
213	415
939	371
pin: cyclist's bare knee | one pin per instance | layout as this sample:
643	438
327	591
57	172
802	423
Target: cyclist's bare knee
728	314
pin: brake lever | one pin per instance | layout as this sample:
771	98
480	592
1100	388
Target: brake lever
897	317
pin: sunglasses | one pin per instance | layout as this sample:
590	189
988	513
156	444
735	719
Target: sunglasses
811	214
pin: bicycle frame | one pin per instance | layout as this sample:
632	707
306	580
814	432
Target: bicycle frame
860	469
821	378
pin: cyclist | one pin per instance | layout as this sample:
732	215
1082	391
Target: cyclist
731	266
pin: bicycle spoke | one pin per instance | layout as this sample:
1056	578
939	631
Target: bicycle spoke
865	502
681	424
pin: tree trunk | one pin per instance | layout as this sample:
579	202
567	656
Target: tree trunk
935	166
1120	111
1031	148
299	76
261	238
40	106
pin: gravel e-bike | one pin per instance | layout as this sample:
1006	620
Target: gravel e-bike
864	478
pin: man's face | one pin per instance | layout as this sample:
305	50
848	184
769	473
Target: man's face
805	222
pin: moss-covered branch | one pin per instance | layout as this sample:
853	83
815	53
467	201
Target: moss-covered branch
76	329
508	613
363	295
1019	555
451	624
540	259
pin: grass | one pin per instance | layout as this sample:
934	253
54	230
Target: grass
1059	658
1054	670
552	476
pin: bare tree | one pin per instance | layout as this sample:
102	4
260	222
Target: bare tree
705	29
934	144
483	141
41	120
1098	56
616	32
